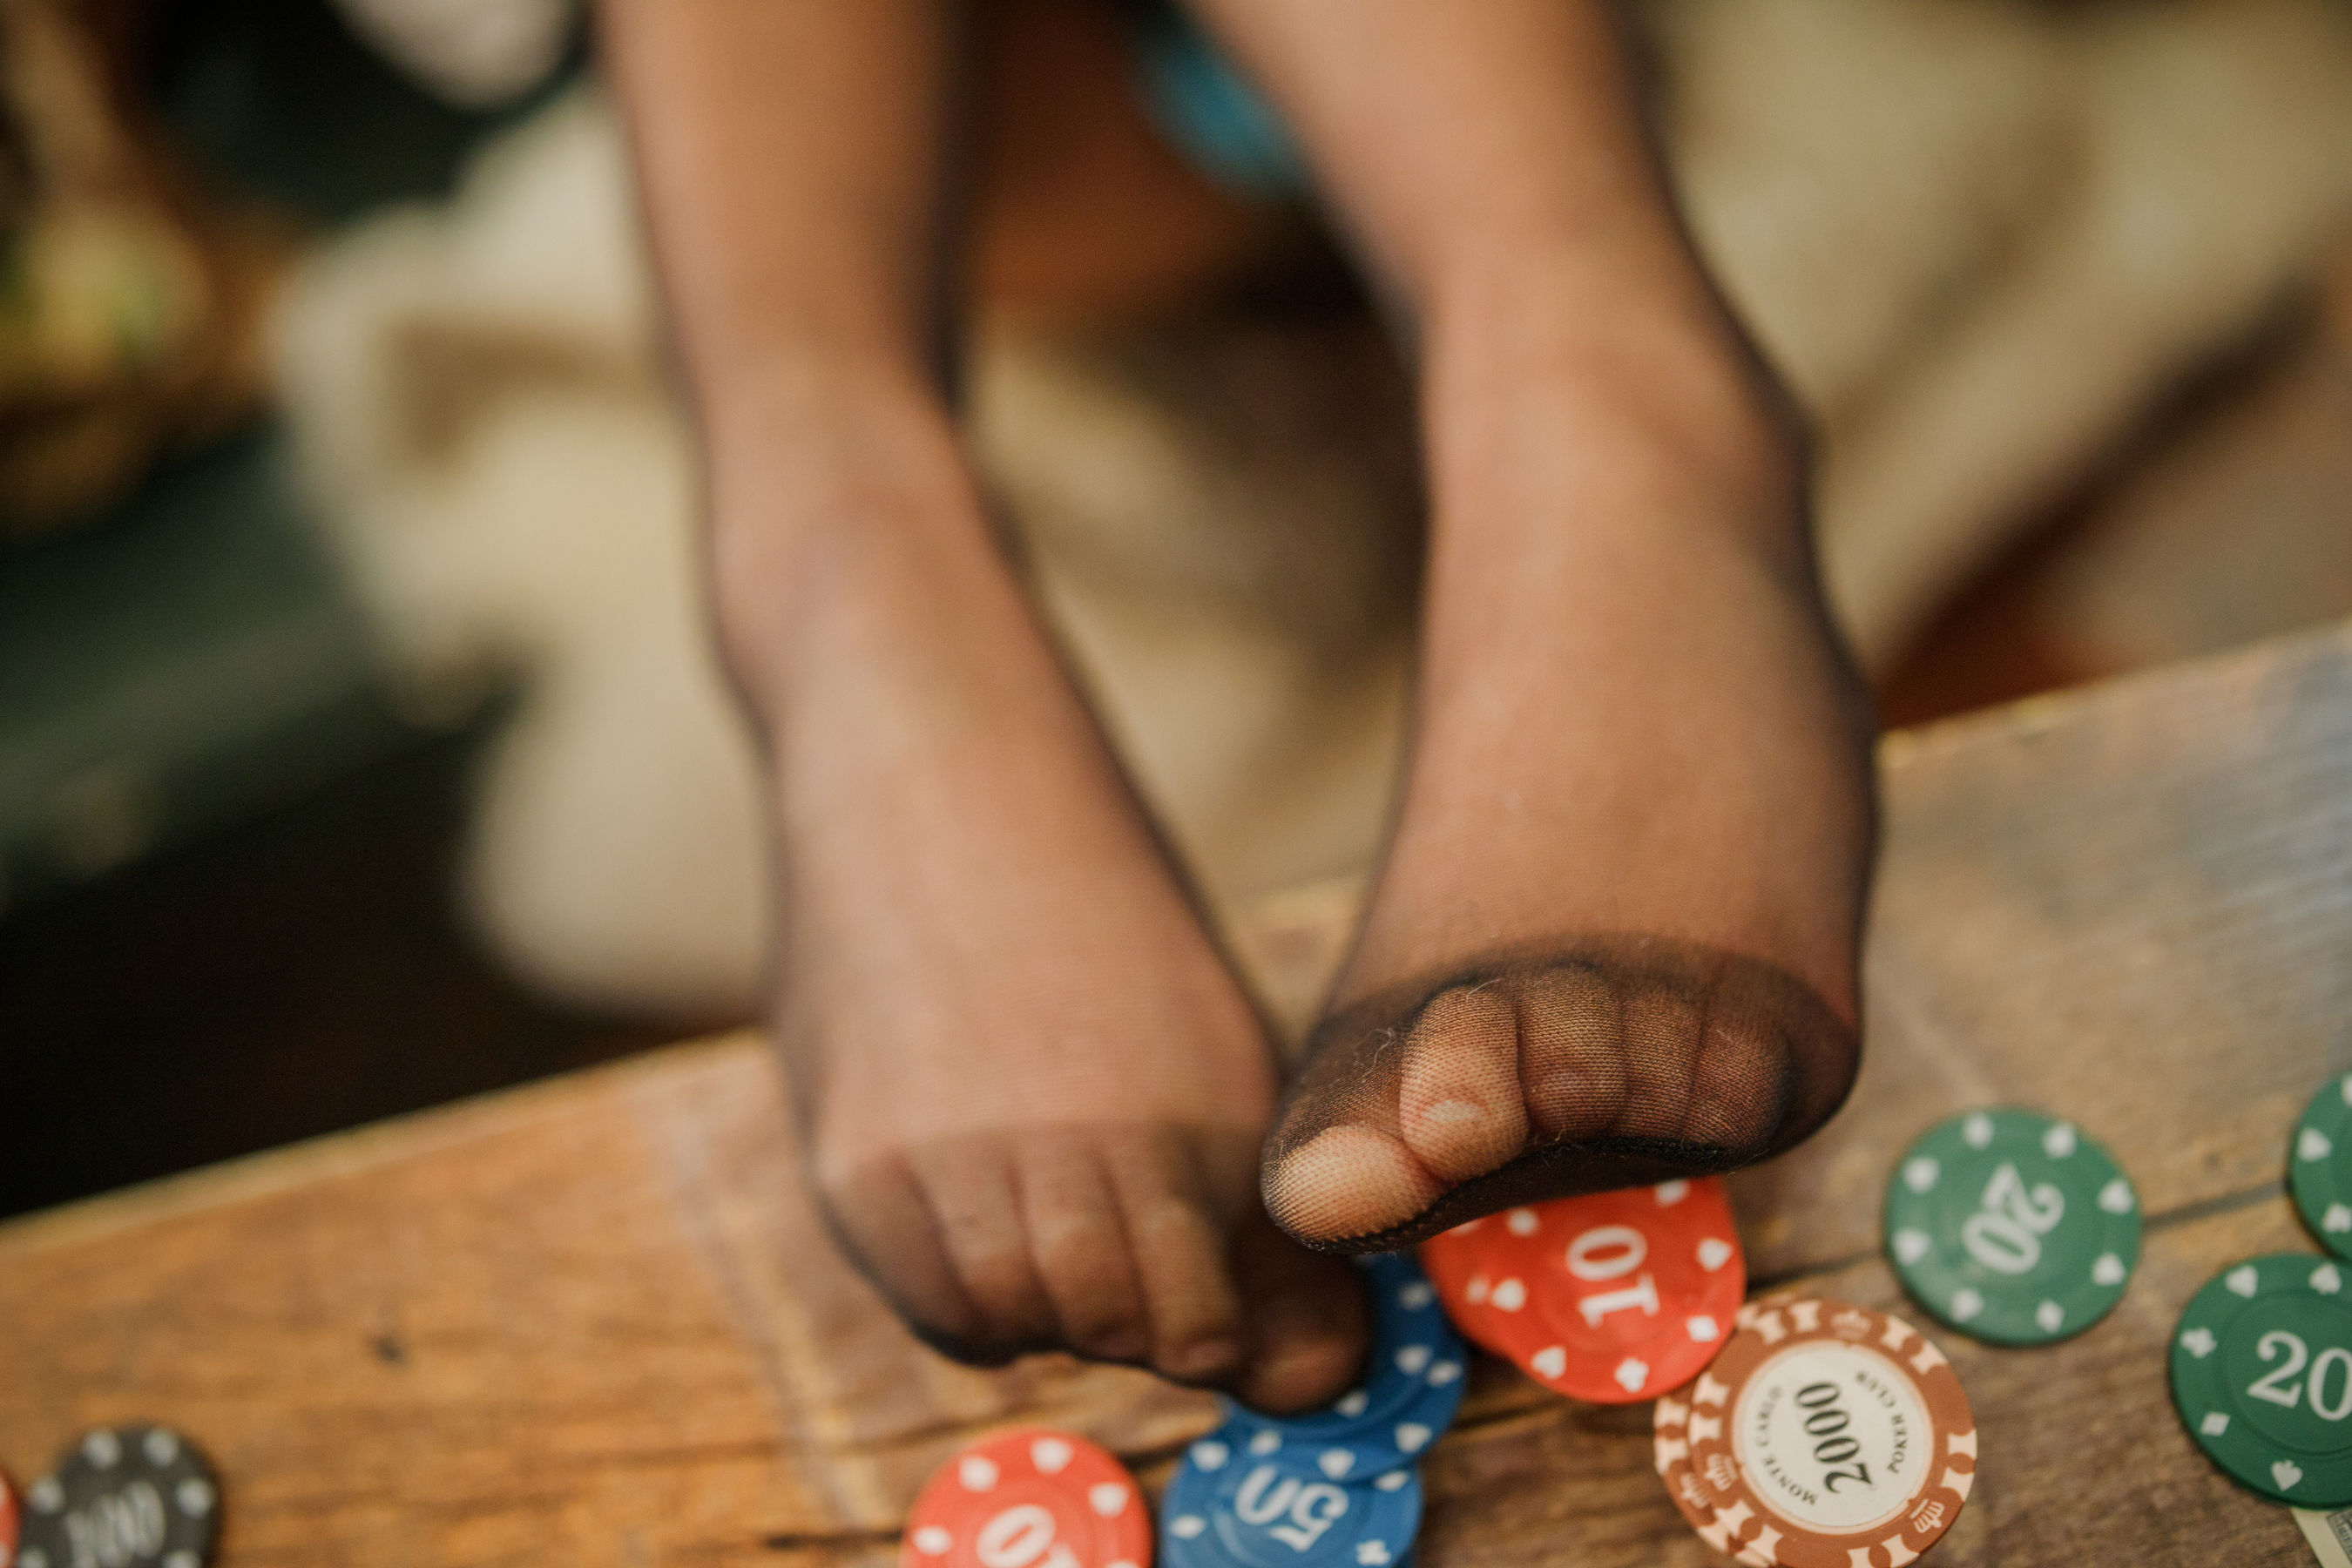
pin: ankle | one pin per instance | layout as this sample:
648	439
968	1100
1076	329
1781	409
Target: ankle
831	497
1589	394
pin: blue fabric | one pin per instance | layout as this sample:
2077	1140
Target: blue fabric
1221	124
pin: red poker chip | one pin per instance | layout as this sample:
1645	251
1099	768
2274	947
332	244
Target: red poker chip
1033	1497
1610	1297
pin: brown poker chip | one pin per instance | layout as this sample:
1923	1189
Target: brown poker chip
1825	1435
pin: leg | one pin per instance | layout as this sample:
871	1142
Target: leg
1030	1092
1615	935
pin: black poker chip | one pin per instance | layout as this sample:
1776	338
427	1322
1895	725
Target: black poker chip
123	1497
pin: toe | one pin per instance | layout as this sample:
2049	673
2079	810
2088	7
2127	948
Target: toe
1459	1103
1309	1322
975	1203
1177	1241
1572	1056
886	1227
1348	1181
1079	1243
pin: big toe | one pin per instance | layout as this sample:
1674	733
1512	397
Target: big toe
1309	1322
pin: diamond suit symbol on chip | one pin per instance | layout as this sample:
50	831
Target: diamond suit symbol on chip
1412	1437
1550	1361
2115	1198
1208	1455
1371	1553
2327	1280
1266	1441
1703	1328
2108	1271
2285	1472
2313	1145
2058	1143
1920	1174
1352	1403
1335	1462
1415	1295
1910	1246
1187	1526
194	1497
2336	1220
2051	1316
1966	1304
1669	1194
977	1472
1509	1296
2242	1280
1522	1222
1049	1455
1411	1358
1713	1252
1444	1372
933	1541
1976	1130
2198	1343
2216	1422
1632	1373
1394	1480
1107	1499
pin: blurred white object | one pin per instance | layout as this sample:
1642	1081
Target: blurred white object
476	53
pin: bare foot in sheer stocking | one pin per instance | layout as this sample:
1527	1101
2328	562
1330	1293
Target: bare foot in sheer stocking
1614	939
1032	1093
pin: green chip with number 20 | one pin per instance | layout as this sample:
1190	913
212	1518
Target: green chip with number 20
2319	1168
2013	1227
2261	1374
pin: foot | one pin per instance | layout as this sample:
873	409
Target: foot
1614	940
1031	1094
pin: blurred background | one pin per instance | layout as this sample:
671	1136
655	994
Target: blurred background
360	744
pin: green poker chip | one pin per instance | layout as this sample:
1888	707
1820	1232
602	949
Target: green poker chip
2013	1227
2262	1375
2319	1167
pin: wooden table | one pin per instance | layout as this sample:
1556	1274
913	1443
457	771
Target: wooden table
596	1322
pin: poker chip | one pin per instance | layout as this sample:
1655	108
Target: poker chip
1411	1389
1610	1297
1246	1497
2262	1375
2319	1167
1825	1435
1032	1495
124	1497
2013	1227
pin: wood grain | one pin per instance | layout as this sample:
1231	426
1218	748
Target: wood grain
597	1321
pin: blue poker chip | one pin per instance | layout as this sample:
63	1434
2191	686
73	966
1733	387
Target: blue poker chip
1243	1499
1411	1389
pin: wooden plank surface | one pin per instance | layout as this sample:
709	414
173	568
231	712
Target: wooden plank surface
596	1322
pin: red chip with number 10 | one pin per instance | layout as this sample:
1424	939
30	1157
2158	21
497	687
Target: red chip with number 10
1030	1499
1610	1297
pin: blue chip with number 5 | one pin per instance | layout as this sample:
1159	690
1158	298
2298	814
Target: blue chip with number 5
1244	1497
2012	1225
1414	1379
